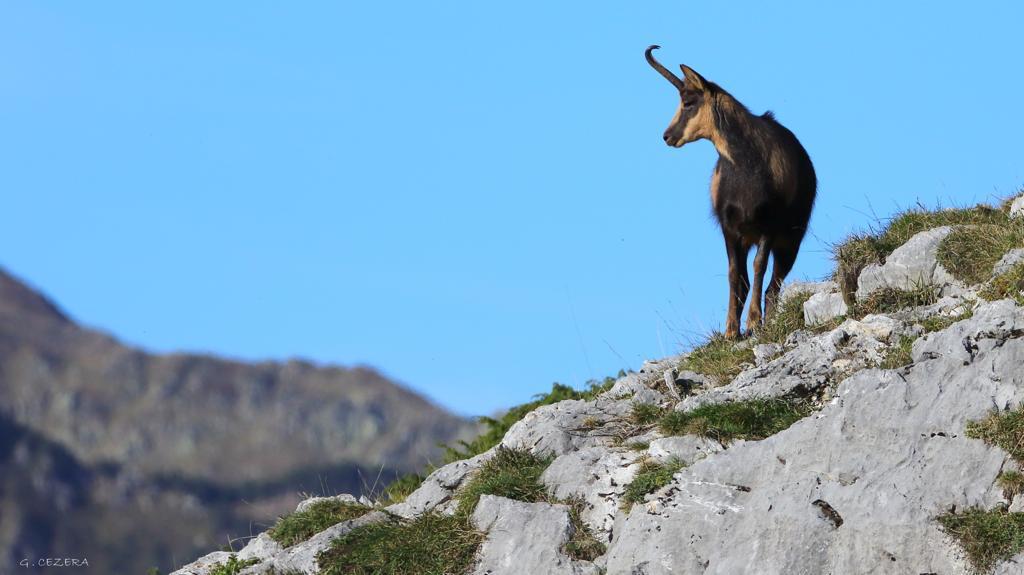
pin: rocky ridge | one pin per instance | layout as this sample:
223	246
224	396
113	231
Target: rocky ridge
856	485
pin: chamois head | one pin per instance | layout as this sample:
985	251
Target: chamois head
693	119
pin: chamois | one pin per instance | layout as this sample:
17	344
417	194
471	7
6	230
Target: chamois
762	189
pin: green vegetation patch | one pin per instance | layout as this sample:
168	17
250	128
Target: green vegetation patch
511	473
582	545
899	354
233	566
435	544
787	317
644	413
1004	429
1006	285
651	477
987	537
431	544
495	428
399	489
941	322
969	252
719	358
888	300
859	250
754	419
302	525
1012	483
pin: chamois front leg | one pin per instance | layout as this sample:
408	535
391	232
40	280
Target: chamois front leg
738	284
754	315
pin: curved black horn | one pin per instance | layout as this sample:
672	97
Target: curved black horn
661	69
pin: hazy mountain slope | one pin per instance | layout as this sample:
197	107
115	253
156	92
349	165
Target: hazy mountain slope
203	444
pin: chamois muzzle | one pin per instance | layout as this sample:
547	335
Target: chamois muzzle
661	69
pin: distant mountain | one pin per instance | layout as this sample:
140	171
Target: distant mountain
134	459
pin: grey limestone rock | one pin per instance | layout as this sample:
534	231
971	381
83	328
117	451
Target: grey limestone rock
261	547
597	474
791	289
765	352
525	538
823	307
854	488
1009	259
687	448
343	498
439	487
557	429
910	266
815	362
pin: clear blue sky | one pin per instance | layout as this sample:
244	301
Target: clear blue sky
472	197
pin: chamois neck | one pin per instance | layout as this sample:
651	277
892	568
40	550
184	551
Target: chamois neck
735	127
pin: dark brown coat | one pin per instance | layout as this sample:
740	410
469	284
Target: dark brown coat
762	189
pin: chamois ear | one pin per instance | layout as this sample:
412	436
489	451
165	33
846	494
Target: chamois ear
695	79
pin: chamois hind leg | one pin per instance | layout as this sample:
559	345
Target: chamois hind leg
784	255
754	316
738	283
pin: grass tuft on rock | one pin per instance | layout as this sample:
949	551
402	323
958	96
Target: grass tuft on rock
644	413
899	354
787	317
987	537
399	489
511	473
719	358
1006	285
888	300
970	252
725	422
582	545
1004	429
651	477
233	566
1012	483
859	250
941	322
301	525
431	544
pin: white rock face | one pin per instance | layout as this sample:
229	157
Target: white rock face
854	488
823	307
910	266
438	489
343	498
1017	207
810	366
525	538
597	474
557	429
687	449
791	289
1009	259
261	548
